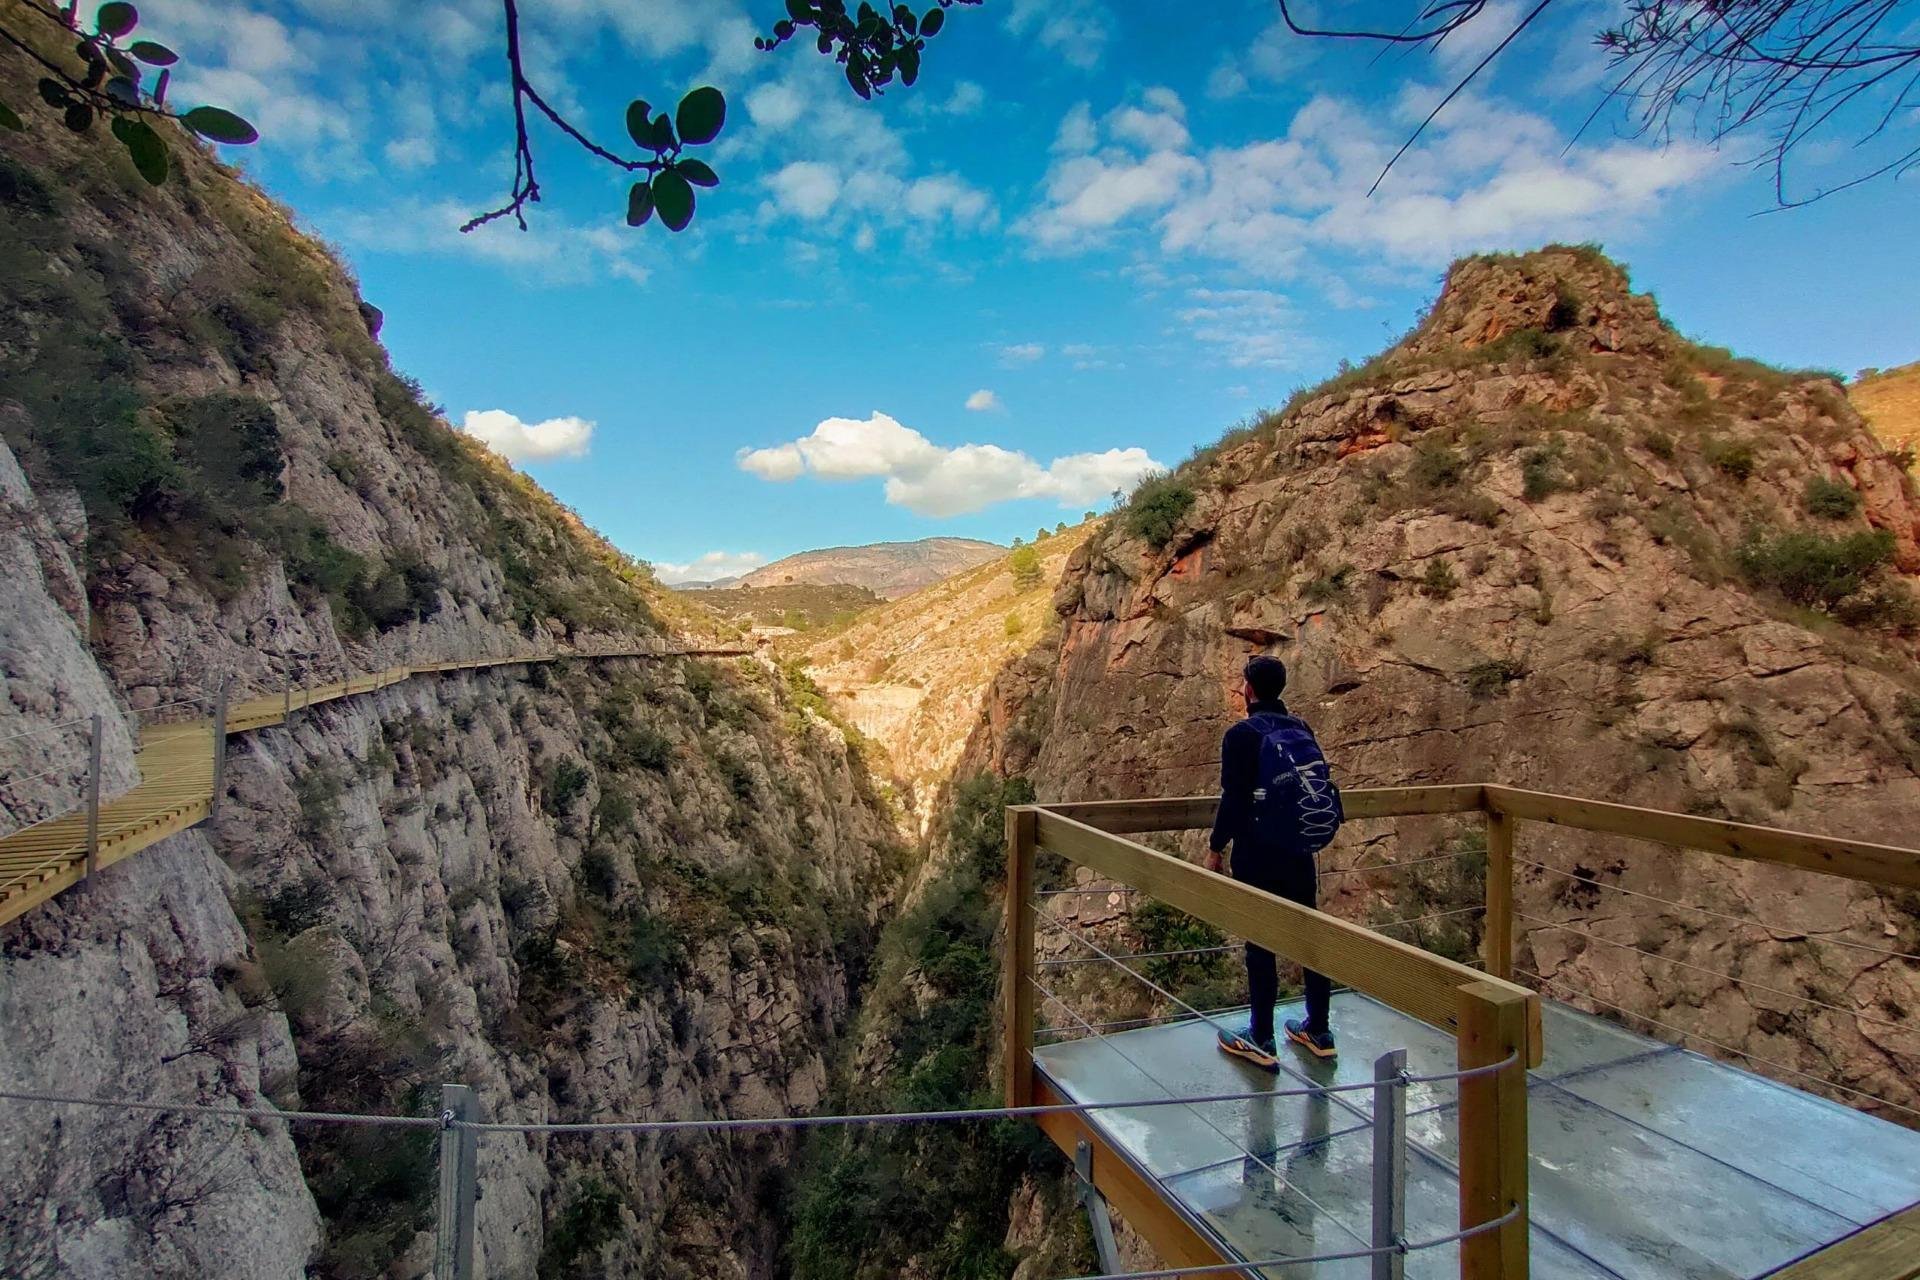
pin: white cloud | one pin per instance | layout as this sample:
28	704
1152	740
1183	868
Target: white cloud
1486	176
1021	352
1076	30
708	567
519	441
984	401
806	188
933	480
556	252
1250	327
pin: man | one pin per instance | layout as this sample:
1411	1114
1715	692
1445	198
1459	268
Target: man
1278	807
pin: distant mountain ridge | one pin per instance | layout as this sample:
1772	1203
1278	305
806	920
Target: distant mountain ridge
888	569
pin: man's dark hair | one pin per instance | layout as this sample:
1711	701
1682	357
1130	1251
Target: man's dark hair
1267	676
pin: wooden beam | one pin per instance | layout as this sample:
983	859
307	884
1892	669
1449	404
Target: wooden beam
1887	1250
1187	813
1017	962
1181	813
1497	941
1853	859
1132	1195
1416	982
1493	1131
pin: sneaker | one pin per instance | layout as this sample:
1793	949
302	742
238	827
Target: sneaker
1241	1044
1317	1043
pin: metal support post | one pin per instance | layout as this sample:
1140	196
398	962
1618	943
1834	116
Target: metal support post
93	796
1390	1164
1098	1218
459	1187
219	745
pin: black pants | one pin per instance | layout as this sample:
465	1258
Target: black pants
1295	878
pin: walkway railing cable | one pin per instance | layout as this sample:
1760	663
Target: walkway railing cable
1582	994
1262	1264
1202	1116
1782	992
1746	921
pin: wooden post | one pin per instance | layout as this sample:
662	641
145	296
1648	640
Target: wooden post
1493	1130
1497	942
1023	826
219	745
93	796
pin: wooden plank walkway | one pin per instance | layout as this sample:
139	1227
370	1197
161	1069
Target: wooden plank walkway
176	764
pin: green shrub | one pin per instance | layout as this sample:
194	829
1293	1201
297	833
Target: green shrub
1540	473
297	907
566	782
1731	457
1025	564
318	792
1154	511
1329	587
1487	679
592	1217
1810	568
1013	625
1436	465
655	955
1440	580
1830	499
1659	444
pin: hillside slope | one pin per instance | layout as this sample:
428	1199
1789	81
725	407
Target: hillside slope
1544	541
912	673
1890	402
588	890
888	569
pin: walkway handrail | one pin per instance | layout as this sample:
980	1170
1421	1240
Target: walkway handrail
40	860
1495	1022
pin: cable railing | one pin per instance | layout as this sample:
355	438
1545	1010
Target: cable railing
1089	834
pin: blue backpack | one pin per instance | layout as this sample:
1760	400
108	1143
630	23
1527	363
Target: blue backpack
1296	806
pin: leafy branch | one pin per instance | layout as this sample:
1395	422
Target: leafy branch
874	50
670	176
113	86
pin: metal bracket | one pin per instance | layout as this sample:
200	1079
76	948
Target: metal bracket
1098	1218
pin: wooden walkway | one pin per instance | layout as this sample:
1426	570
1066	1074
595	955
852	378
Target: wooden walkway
177	779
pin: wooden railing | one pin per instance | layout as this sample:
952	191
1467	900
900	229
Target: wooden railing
181	773
1490	1017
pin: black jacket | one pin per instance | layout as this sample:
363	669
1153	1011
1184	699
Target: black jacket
1240	775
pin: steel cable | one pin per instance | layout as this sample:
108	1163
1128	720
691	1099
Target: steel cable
1721	915
1782	992
1580	993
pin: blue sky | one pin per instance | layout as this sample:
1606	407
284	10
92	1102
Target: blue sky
1088	240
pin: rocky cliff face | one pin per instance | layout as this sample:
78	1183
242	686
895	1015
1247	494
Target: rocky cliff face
913	674
635	888
1545	541
1889	399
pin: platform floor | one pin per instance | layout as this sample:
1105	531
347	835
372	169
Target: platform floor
1648	1162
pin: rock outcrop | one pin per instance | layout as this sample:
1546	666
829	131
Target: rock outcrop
630	888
